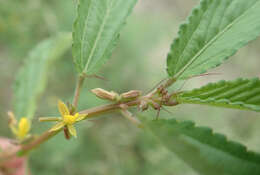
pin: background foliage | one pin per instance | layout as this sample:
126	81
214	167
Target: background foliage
107	146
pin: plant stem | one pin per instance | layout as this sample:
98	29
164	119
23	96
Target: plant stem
169	82
128	115
77	91
49	119
41	139
28	147
92	112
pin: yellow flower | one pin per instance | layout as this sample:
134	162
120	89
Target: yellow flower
67	119
22	129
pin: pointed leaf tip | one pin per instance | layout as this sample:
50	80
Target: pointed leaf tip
214	31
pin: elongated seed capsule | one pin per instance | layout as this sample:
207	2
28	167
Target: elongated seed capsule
131	94
103	94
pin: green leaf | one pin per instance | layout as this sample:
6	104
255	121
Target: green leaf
96	31
206	152
240	94
215	30
31	79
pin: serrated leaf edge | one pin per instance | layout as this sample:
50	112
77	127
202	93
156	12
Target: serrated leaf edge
213	101
209	133
186	23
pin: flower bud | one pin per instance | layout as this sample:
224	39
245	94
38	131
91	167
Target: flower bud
131	94
103	94
12	120
24	127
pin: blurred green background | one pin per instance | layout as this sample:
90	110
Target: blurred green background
111	145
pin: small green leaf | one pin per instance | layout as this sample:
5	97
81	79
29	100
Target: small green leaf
31	79
240	94
96	31
206	152
215	30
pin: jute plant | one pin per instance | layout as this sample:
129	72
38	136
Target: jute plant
213	32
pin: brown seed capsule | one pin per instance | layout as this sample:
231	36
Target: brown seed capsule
131	94
103	94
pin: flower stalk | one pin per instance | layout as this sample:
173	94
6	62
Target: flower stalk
77	91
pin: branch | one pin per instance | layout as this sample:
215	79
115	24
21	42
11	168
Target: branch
128	115
92	112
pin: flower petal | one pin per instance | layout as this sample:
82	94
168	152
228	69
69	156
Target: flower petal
23	127
72	130
80	117
63	108
76	115
56	127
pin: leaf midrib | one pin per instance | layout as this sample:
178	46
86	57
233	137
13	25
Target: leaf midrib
97	39
84	33
178	74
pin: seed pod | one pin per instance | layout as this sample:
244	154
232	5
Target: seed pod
103	94
131	94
